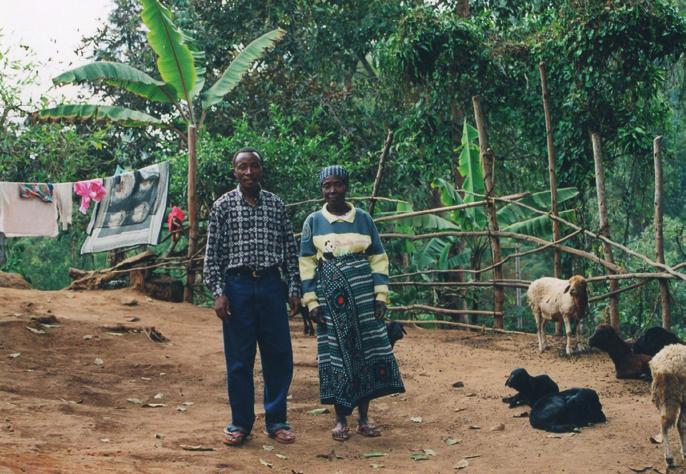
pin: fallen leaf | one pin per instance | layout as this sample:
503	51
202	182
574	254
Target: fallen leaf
452	441
158	396
14	355
147	379
474	427
562	435
87	337
472	456
159	436
524	414
198	447
50	326
267	447
429	452
640	469
181	408
498	427
461	464
318	411
281	456
136	401
472	394
188	404
133	319
34	330
416	419
460	409
657	439
331	456
129	301
374	454
115	333
419	457
458	385
105	440
98	361
376	466
265	463
154	405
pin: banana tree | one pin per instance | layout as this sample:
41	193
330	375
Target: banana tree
181	83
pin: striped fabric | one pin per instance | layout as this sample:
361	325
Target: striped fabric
354	355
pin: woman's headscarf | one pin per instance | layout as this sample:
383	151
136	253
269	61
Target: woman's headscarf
333	170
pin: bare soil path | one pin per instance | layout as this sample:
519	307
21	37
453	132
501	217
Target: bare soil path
61	412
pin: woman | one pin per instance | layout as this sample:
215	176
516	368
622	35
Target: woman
345	281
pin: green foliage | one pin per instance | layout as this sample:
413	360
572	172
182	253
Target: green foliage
99	113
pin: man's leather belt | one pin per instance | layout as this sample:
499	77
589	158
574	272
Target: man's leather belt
252	273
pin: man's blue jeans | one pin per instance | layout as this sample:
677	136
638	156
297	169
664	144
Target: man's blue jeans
258	317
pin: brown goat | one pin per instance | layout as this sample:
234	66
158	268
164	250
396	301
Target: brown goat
627	364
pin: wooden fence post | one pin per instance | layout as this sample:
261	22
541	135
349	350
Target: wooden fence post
604	224
557	255
488	163
659	236
379	171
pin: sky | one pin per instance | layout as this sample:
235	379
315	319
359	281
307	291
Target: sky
51	29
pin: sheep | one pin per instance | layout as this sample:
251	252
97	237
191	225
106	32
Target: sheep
530	389
668	392
653	340
554	299
395	332
627	364
566	411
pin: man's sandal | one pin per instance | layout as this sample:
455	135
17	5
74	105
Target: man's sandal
369	430
235	438
340	434
283	436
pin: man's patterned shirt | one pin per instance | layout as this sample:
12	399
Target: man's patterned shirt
255	237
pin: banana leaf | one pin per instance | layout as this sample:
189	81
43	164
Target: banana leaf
106	113
119	75
239	66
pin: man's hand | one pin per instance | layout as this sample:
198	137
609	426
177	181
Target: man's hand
221	307
294	303
379	309
316	315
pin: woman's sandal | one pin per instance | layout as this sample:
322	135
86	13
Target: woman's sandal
369	430
340	433
235	438
283	436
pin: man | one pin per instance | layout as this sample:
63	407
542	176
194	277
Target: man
249	238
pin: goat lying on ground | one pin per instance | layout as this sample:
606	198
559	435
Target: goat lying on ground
653	340
530	389
668	392
627	364
567	410
552	299
395	332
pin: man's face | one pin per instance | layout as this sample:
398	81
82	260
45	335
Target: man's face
247	168
334	190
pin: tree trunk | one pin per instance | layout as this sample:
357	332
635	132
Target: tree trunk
379	171
488	164
659	236
604	224
192	214
557	255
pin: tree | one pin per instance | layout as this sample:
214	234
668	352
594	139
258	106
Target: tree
182	71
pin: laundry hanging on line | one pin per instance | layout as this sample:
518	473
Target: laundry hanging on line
132	211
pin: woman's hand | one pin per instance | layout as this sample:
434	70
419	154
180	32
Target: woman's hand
316	315
379	309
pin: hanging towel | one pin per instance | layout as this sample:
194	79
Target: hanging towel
42	191
20	217
65	202
91	189
132	211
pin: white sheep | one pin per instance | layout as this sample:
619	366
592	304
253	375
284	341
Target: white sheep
552	299
668	391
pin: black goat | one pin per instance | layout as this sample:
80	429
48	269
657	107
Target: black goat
530	389
653	340
395	332
563	412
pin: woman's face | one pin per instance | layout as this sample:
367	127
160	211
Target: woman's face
334	190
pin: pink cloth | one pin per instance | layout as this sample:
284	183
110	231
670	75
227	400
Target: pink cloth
177	214
91	189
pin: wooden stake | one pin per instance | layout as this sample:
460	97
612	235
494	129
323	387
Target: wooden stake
557	255
659	235
379	170
605	225
192	214
488	164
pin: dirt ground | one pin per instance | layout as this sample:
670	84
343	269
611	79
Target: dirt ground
60	411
